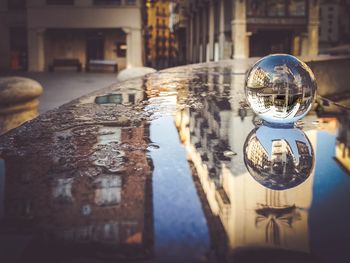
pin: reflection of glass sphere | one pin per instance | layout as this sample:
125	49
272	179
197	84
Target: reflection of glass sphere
278	158
280	88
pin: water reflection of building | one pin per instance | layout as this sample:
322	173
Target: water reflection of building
257	154
335	121
132	95
281	156
93	188
342	149
253	217
279	167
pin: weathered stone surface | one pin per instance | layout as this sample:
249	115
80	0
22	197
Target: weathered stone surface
18	101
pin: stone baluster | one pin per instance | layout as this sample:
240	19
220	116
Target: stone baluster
18	101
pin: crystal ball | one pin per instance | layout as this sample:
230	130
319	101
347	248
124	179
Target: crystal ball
278	158
280	88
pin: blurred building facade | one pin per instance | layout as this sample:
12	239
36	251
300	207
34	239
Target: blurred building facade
222	29
334	22
179	27
160	39
35	32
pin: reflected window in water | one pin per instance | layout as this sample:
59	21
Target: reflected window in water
62	189
108	190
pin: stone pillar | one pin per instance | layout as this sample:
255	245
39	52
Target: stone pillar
5	61
313	24
197	36
204	26
239	30
211	31
222	30
36	50
190	39
133	47
18	101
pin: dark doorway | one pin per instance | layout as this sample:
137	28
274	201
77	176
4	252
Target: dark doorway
95	46
267	42
19	52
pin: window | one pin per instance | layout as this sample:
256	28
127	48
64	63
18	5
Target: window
16	4
60	2
116	98
132	98
121	50
256	8
276	7
130	2
107	2
297	8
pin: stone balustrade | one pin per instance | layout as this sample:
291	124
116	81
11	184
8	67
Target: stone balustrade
18	101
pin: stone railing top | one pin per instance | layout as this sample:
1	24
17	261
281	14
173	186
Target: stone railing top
107	169
18	89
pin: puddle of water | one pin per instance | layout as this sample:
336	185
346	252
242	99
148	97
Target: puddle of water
181	232
163	178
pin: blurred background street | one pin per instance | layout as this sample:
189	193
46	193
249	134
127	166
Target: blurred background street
62	87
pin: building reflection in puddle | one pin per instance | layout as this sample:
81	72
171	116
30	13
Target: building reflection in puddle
92	187
278	159
342	150
265	216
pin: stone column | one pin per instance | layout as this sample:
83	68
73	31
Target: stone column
222	30
204	26
313	24
133	47
211	31
239	30
5	61
190	38
36	49
197	36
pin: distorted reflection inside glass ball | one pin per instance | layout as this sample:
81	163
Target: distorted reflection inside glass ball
278	158
280	88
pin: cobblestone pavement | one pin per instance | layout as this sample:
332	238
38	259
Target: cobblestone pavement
62	87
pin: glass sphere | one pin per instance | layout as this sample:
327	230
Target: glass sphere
278	158
280	88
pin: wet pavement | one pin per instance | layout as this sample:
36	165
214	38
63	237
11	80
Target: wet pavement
175	167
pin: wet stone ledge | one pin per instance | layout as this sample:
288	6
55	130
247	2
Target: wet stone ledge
109	176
